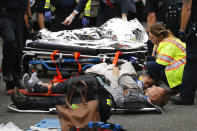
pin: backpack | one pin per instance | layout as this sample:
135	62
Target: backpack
106	102
99	126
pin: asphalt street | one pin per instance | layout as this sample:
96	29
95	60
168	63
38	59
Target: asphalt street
173	118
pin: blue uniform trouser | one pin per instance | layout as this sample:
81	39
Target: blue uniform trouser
156	71
150	46
189	84
12	33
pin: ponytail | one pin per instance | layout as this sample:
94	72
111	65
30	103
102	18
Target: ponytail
158	30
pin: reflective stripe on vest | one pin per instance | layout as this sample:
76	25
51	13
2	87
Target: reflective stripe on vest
47	4
175	64
165	58
180	46
87	8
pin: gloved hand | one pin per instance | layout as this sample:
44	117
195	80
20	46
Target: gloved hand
124	18
48	15
33	36
85	21
68	20
182	36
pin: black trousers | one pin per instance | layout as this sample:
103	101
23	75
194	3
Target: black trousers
105	13
38	6
189	84
44	103
62	87
58	89
12	34
156	71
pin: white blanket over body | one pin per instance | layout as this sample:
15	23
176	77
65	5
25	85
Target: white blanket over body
115	33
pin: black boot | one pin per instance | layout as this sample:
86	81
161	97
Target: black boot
20	100
178	101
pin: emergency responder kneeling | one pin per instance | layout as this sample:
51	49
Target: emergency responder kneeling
169	55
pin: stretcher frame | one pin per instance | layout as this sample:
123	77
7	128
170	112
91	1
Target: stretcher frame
157	110
64	56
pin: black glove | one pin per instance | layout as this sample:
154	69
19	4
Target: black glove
33	36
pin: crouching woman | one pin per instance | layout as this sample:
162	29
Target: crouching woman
170	56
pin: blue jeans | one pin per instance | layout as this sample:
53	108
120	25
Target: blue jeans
156	71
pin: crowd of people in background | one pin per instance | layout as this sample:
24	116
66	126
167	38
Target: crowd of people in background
172	59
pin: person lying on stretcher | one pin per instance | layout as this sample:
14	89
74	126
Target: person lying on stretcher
34	85
126	93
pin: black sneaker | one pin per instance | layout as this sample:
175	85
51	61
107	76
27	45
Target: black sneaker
27	84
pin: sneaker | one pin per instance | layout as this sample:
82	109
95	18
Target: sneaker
28	85
34	79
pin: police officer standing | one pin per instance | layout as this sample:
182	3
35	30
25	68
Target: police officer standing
189	84
167	12
11	30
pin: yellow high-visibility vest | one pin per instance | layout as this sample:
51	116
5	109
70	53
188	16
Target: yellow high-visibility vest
47	4
171	53
91	8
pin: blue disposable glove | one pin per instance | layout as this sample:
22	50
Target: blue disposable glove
85	21
48	15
